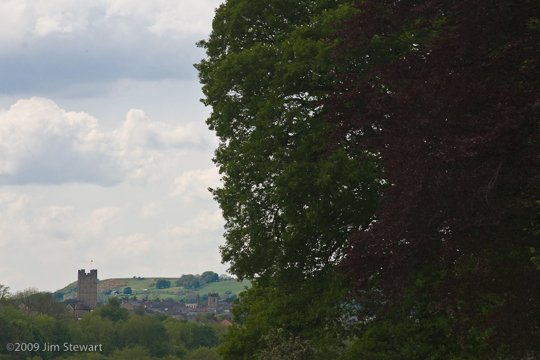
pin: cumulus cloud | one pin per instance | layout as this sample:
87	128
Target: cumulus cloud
60	23
62	237
44	144
98	218
148	210
61	16
14	212
28	221
181	17
205	221
49	45
128	246
194	184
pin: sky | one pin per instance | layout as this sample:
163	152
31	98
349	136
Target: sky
105	157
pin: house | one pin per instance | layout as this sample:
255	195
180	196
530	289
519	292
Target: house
78	309
226	322
130	305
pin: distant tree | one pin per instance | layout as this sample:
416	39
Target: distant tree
202	353
189	281
17	327
209	277
55	331
163	284
127	290
279	347
136	352
189	336
205	335
147	331
44	303
96	329
140	310
59	296
113	311
4	291
160	316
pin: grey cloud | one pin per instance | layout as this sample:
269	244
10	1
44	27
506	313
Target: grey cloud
51	64
71	42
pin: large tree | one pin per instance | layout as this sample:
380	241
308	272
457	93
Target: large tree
288	201
446	95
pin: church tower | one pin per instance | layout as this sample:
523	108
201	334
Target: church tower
87	288
213	300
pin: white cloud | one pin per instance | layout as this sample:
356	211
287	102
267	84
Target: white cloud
104	57
60	23
58	222
42	143
13	21
148	210
27	220
181	17
14	212
61	238
46	46
194	184
204	221
98	218
129	246
47	17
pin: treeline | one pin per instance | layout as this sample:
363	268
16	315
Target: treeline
114	333
380	167
196	281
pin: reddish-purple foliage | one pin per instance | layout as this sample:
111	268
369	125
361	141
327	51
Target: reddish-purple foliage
454	116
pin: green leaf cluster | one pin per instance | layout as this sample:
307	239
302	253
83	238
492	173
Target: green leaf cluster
289	201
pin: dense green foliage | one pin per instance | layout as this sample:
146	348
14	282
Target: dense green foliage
163	284
314	102
113	311
121	336
447	94
196	281
288	202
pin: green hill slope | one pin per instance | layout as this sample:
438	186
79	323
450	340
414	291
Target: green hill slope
144	287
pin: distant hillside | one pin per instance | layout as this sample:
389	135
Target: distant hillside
145	287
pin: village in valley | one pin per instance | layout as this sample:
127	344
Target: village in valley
161	299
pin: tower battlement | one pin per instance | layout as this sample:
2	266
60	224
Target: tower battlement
91	274
87	287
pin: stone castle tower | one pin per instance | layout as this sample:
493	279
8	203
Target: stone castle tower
213	300
87	288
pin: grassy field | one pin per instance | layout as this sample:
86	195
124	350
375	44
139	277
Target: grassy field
141	289
230	285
